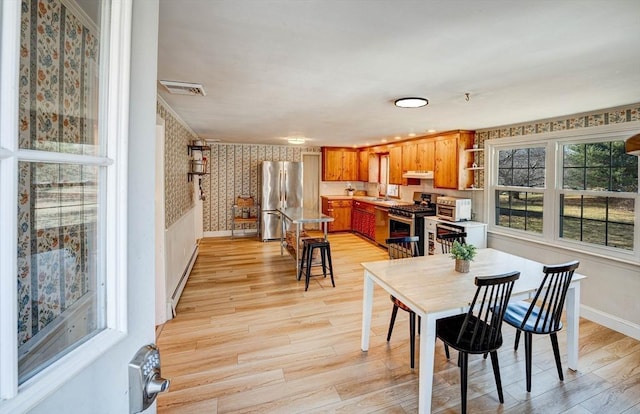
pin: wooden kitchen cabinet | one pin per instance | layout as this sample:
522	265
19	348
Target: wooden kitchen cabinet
340	210
425	156
395	165
418	156
363	219
339	164
452	162
410	156
363	165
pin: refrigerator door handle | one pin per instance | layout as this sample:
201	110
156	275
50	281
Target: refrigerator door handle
284	189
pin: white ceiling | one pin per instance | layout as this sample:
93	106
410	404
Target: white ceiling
330	70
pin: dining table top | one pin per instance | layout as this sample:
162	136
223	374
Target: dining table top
430	284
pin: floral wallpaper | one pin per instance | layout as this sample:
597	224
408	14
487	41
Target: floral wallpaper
56	202
178	192
617	115
234	172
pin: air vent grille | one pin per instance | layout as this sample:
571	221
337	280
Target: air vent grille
183	88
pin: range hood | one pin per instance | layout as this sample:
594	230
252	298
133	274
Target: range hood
632	145
423	175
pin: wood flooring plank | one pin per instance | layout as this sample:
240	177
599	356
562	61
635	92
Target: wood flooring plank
248	338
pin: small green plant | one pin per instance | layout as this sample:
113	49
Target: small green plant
463	251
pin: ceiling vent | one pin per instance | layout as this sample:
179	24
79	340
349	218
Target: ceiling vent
183	88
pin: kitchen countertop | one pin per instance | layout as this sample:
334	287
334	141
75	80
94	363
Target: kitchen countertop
377	201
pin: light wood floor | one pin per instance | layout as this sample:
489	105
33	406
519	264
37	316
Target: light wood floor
248	338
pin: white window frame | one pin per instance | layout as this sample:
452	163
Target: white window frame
553	142
112	262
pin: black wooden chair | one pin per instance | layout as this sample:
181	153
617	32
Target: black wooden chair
401	248
479	330
542	315
446	240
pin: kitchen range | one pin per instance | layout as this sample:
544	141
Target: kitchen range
408	220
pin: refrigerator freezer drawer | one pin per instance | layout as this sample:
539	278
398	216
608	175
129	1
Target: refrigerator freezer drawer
271	226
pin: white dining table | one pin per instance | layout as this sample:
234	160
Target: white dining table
431	287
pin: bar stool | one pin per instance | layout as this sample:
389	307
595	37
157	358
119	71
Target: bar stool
308	246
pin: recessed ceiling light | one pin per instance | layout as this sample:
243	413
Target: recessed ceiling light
397	137
412	134
411	102
431	130
384	140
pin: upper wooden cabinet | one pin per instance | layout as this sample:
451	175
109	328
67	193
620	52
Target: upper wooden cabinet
395	165
339	164
363	165
418	156
452	161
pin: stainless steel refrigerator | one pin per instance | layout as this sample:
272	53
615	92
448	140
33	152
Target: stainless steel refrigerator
279	186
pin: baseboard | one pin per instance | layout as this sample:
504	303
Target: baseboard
175	297
612	322
222	233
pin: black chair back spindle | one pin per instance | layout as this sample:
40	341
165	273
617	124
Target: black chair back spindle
446	240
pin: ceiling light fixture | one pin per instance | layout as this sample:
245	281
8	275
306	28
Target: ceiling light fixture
296	140
411	102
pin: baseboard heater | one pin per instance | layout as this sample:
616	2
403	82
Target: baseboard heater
175	298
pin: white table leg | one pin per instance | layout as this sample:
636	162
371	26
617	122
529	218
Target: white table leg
573	323
427	355
367	310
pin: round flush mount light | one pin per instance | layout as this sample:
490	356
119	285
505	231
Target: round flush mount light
412	102
296	140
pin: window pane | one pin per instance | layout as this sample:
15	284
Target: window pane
58	78
519	210
522	167
598	154
602	166
624	179
57	298
573	156
505	159
59	303
505	176
597	179
573	178
605	221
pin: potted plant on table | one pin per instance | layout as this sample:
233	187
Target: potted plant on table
464	254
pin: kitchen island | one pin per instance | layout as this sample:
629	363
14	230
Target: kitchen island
299	217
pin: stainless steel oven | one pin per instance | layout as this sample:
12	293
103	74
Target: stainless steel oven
408	220
400	226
